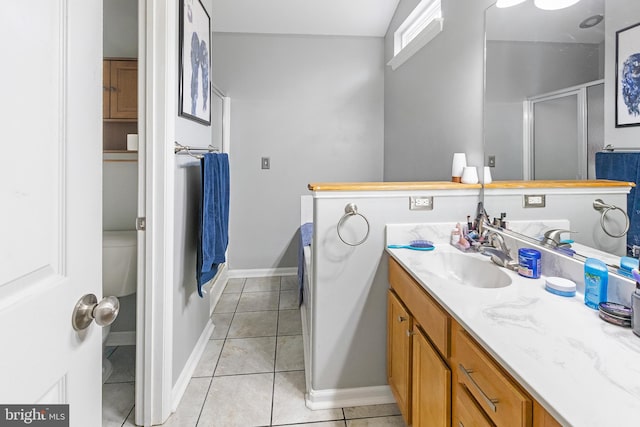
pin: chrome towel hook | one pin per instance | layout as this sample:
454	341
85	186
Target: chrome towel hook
604	208
352	210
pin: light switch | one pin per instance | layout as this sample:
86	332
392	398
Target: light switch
266	163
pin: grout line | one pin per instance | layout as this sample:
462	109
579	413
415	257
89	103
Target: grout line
275	360
127	416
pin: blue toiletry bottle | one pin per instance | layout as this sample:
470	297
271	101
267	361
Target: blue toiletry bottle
596	277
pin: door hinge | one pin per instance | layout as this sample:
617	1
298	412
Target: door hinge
141	223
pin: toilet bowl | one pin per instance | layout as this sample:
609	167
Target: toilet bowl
119	274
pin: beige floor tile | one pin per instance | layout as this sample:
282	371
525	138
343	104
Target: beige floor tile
238	401
123	360
371	411
377	422
227	303
289	322
320	424
117	402
262	284
191	404
289	283
234	286
258	301
247	356
289	353
221	321
254	324
209	359
288	300
288	402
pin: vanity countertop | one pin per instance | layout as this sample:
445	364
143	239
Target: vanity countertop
584	371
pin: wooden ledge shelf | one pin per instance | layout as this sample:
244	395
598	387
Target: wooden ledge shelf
598	183
390	186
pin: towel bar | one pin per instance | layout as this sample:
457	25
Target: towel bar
179	149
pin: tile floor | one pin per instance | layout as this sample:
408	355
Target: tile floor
251	372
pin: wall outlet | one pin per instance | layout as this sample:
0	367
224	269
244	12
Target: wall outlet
421	203
266	163
534	201
491	162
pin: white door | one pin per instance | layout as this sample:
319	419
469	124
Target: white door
51	208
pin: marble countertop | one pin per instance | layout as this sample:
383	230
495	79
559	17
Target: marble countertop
584	371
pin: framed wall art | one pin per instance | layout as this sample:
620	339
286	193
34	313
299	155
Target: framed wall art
195	62
628	76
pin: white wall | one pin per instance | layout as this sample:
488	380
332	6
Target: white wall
433	102
314	105
617	17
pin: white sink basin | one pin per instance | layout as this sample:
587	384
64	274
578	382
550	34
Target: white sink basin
466	270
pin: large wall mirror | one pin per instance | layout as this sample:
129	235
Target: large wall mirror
544	90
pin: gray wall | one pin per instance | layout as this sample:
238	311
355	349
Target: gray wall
120	29
617	17
518	70
190	312
314	105
433	102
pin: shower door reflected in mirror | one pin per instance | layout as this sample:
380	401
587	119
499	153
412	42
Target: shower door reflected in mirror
563	132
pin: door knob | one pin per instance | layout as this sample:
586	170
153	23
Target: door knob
88	308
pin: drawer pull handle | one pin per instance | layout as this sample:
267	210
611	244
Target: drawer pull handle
409	333
491	402
401	319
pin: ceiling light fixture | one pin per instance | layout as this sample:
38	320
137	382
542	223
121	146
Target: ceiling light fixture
554	4
508	3
591	21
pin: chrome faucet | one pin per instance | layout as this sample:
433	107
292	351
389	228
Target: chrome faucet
499	251
552	238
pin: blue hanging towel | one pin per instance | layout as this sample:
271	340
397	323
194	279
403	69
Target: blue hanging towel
213	235
306	234
624	166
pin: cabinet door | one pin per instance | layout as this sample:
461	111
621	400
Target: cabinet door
124	96
106	87
399	326
431	389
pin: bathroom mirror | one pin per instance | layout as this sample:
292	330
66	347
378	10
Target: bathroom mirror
544	90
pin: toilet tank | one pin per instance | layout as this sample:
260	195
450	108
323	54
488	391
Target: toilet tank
119	263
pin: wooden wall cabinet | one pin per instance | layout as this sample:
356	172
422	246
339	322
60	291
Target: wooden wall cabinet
120	89
438	373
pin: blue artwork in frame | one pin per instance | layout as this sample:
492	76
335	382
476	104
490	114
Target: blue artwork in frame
628	76
195	62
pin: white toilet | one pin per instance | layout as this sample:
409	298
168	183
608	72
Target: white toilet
119	274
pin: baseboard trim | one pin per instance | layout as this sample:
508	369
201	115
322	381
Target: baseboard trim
216	286
263	272
347	397
115	339
189	368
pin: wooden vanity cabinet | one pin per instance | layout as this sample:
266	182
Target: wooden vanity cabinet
438	373
120	89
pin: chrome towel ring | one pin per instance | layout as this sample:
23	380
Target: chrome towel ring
352	210
604	208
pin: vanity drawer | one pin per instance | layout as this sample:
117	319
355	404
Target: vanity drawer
432	318
466	412
495	393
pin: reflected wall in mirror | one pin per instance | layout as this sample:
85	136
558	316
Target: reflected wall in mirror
544	90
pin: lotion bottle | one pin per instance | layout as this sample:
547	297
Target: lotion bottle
596	277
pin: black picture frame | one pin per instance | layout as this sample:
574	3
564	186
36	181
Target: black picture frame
194	99
627	99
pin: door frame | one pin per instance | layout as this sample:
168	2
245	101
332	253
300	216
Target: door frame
157	83
528	136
